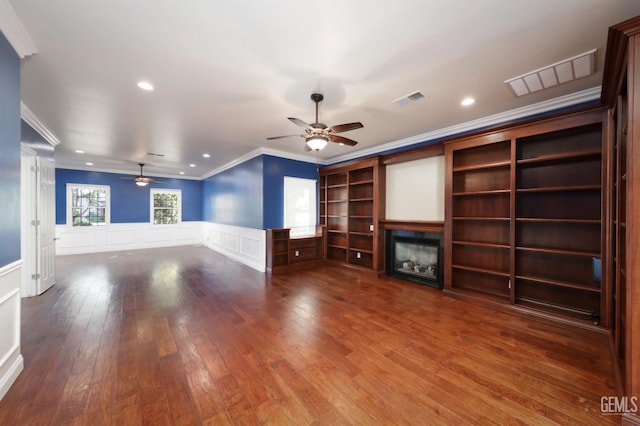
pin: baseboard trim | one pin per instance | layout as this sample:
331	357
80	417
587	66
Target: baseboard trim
14	370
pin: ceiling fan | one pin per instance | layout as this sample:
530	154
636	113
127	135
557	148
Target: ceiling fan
142	180
317	134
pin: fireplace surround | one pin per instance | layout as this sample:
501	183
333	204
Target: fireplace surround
414	256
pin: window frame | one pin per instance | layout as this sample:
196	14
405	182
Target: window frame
69	213
152	192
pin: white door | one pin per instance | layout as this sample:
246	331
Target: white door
46	213
29	246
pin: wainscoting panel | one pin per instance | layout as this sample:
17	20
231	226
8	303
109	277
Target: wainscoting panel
246	245
126	236
11	361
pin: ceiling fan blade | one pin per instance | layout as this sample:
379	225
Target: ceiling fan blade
342	140
300	123
280	137
345	127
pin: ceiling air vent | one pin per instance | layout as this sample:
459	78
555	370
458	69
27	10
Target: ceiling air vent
561	72
411	97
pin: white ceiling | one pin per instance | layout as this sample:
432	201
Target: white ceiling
227	74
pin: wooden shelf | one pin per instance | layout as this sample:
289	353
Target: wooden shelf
493	191
561	156
560	188
359	200
479	244
567	221
336	201
560	251
527	201
491	165
481	218
559	283
482	270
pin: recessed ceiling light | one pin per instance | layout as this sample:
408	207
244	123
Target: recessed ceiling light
181	173
468	101
79	151
192	165
206	155
145	85
89	164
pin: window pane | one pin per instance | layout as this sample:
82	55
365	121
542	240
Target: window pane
165	207
300	205
88	206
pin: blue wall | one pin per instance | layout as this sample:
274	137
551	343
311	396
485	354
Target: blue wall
251	194
235	196
129	203
9	153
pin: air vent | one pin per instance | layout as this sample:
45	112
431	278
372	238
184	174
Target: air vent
411	97
561	72
153	154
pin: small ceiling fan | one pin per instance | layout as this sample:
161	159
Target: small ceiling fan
142	180
317	134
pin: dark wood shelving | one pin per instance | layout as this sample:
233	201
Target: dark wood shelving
561	188
482	270
558	220
527	202
481	218
285	253
563	156
559	283
492	165
359	191
493	191
480	244
559	251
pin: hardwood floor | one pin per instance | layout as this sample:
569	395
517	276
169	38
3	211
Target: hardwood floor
188	336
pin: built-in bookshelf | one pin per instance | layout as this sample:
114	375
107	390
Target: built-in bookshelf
524	217
286	253
351	204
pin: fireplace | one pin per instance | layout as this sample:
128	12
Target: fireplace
414	256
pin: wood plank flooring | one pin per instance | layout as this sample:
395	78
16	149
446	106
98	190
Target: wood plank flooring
187	336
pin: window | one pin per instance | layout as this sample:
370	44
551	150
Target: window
300	205
166	206
88	205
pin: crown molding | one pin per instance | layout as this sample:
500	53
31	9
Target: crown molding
13	29
27	115
566	101
122	172
262	151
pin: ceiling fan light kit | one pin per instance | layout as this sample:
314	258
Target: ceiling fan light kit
141	181
316	143
317	134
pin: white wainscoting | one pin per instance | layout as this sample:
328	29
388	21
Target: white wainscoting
246	245
11	361
126	236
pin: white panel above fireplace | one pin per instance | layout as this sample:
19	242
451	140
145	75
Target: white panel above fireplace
415	190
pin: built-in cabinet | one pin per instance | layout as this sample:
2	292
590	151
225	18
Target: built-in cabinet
524	217
351	202
285	253
621	93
